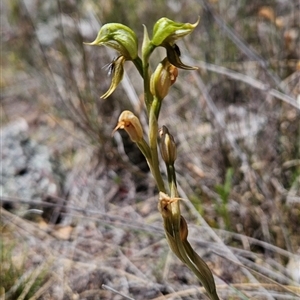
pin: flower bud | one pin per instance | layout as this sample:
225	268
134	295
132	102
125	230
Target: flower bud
118	37
168	31
117	70
167	146
131	124
163	77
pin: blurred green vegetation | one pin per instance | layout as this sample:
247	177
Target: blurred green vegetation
16	275
223	191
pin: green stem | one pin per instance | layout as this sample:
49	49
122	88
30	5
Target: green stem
147	49
156	105
145	61
172	181
144	147
153	130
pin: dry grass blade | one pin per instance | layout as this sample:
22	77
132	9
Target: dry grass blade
40	292
248	288
106	287
294	290
33	277
240	43
257	84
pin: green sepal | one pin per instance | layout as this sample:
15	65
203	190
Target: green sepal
146	42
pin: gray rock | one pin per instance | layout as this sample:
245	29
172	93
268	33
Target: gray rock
26	170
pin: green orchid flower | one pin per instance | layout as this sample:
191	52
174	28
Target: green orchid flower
166	32
119	37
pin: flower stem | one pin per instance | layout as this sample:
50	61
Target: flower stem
147	49
153	131
172	181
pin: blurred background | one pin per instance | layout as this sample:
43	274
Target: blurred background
79	216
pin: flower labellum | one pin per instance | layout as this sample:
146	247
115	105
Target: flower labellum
173	54
116	68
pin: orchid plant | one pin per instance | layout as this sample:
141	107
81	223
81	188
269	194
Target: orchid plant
156	86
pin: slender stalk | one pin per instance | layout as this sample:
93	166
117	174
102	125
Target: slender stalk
156	106
153	131
147	49
147	95
172	181
143	146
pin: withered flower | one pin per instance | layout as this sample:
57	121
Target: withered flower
131	124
